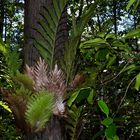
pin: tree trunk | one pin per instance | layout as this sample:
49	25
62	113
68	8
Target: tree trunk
115	16
55	128
1	17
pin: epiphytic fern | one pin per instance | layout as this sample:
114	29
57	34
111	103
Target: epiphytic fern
39	110
37	95
74	41
51	15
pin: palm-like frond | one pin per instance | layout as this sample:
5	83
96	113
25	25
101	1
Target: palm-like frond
49	24
74	42
39	109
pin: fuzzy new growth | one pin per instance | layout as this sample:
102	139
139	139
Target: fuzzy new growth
52	81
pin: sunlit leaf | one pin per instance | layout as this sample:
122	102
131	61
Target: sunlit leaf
5	106
107	121
91	96
115	137
110	131
72	98
137	84
103	106
134	33
130	3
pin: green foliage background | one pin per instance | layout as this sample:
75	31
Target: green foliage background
103	45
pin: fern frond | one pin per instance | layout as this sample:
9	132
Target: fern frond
25	80
24	92
72	121
49	24
39	109
73	43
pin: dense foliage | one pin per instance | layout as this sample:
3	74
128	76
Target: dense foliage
101	66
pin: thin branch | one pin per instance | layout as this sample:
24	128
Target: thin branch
110	80
119	106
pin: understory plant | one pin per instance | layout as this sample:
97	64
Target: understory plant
36	96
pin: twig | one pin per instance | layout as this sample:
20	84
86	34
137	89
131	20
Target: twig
125	94
105	82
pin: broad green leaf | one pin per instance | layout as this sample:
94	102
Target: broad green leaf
83	95
130	3
107	121
101	54
115	137
130	67
72	98
5	106
137	84
111	35
91	96
95	41
79	96
134	33
110	132
103	106
121	46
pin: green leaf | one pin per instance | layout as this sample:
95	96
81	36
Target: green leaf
91	96
101	54
136	5
115	137
72	98
25	80
5	106
137	84
111	61
72	120
103	106
39	109
79	96
130	3
3	47
94	42
110	132
107	121
98	134
83	95
134	33
130	68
